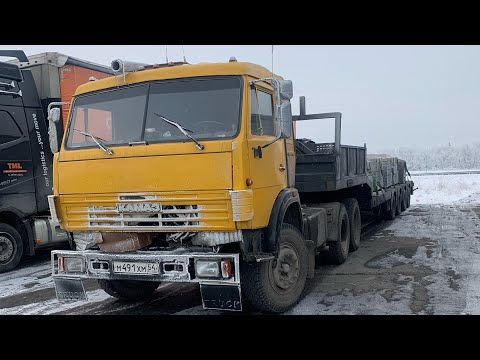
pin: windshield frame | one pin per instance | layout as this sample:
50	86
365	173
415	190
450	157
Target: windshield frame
144	119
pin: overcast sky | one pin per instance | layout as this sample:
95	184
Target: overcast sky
390	96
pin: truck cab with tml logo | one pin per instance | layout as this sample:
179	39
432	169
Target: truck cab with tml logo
25	154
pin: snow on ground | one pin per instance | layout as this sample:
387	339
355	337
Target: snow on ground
53	306
444	189
26	279
428	172
455	252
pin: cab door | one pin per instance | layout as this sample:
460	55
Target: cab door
268	167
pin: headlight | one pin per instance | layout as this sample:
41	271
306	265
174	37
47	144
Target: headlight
214	269
207	269
71	264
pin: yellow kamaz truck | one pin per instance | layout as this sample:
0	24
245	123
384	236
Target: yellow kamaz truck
191	173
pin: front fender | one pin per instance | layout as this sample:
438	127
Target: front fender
284	200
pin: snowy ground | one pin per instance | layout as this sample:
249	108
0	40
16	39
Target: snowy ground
441	172
444	189
426	261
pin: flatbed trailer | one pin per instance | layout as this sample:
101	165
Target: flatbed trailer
333	171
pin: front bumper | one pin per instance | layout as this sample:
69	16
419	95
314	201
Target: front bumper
174	266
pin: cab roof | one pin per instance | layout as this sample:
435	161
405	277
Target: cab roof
178	71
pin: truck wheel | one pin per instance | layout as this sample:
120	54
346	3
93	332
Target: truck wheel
399	203
276	285
390	214
404	200
353	211
380	211
338	250
11	248
131	290
409	194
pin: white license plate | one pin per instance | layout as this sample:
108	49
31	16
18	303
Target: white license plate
136	268
139	207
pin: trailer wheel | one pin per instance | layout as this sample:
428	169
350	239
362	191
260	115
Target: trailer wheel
390	214
11	248
276	285
338	250
404	199
399	202
380	211
131	290
353	211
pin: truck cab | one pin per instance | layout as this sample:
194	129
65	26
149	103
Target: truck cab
29	86
196	160
186	173
25	168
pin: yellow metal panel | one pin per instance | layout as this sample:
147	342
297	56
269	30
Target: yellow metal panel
153	149
182	71
263	200
266	172
211	171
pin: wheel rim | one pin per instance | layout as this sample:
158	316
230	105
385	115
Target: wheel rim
6	248
285	269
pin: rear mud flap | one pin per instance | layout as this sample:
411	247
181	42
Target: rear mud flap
70	289
221	297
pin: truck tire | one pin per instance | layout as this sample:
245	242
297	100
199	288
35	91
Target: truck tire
338	250
390	214
131	290
409	195
277	285
353	211
404	200
11	248
380	211
399	202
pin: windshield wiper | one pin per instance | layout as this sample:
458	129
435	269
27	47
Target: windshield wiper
97	140
183	130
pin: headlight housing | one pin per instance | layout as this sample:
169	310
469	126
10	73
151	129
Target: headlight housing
74	265
214	269
207	269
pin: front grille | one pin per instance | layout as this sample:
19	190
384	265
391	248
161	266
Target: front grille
171	217
168	212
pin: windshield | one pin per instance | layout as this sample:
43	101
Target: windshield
208	107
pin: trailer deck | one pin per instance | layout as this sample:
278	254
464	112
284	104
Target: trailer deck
325	169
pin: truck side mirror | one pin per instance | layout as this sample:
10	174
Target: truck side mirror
285	93
54	115
53	136
286	120
53	119
285	89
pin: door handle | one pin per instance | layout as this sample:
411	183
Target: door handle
282	167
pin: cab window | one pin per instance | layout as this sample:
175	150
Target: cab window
261	113
9	130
